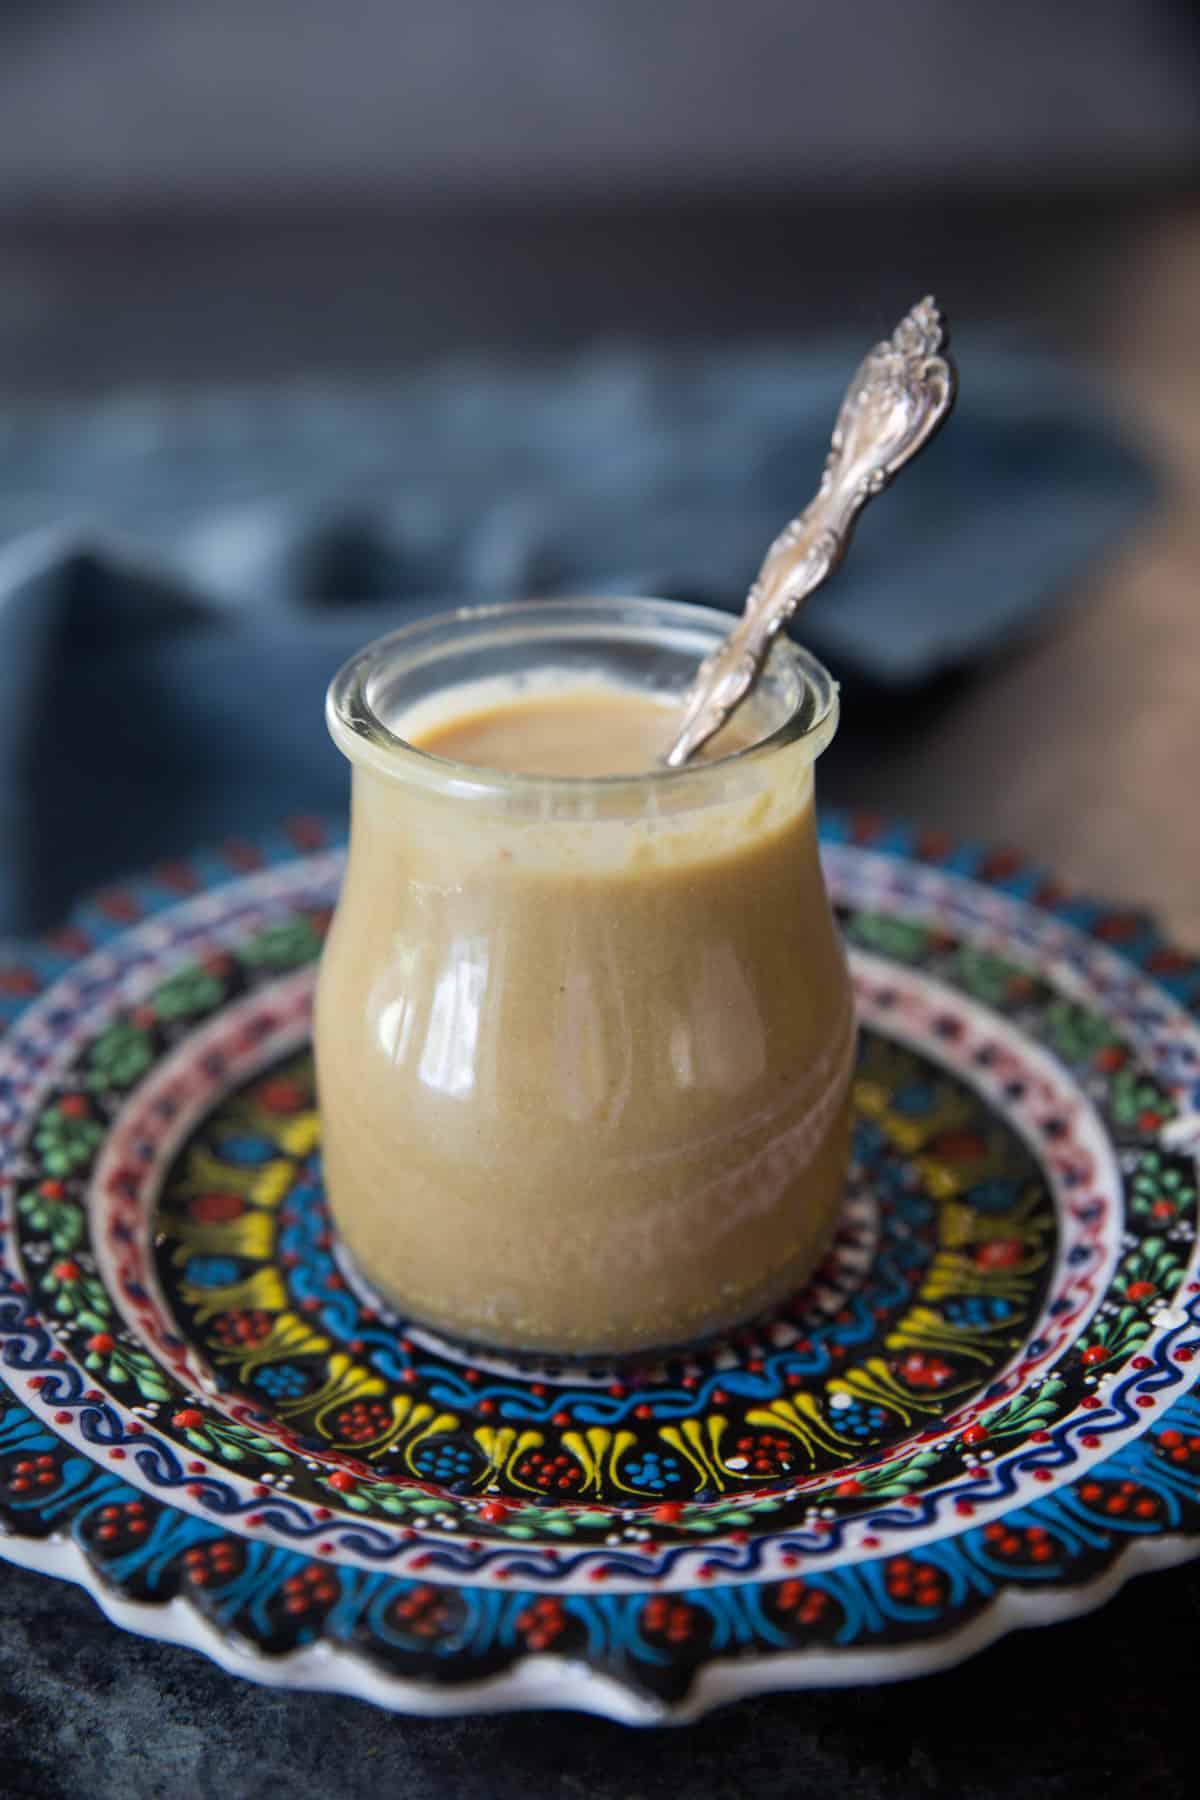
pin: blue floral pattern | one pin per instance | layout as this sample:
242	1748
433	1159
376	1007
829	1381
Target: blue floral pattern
1063	1475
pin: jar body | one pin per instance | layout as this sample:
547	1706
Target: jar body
584	1072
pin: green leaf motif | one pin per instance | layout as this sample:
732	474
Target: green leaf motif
286	946
899	1477
189	992
1074	1033
66	1143
120	1056
222	1436
897	938
1136	1100
1160	1189
1155	1264
60	1220
123	1364
989	978
1121	1333
80	1297
1025	1412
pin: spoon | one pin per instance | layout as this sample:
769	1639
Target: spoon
898	398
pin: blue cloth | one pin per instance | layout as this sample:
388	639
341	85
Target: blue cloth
178	579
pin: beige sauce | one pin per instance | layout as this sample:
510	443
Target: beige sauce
583	1085
588	732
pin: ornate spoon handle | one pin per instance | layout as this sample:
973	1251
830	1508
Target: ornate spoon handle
899	396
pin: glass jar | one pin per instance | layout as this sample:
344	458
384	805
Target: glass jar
583	1045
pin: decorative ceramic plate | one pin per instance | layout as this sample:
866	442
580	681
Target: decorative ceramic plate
980	1415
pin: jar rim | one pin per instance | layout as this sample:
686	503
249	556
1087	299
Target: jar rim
364	737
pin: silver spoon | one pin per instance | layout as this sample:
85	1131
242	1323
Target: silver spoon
899	396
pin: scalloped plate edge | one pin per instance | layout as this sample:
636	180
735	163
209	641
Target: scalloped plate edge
543	1682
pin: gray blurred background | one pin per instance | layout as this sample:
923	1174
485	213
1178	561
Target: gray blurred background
249	186
163	102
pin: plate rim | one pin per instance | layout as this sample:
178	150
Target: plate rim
545	1679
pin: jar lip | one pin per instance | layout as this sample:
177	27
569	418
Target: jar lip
363	736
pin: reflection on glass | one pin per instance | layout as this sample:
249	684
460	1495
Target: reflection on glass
452	1039
395	1018
726	1048
683	1063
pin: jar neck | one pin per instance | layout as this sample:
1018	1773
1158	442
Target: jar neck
647	647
